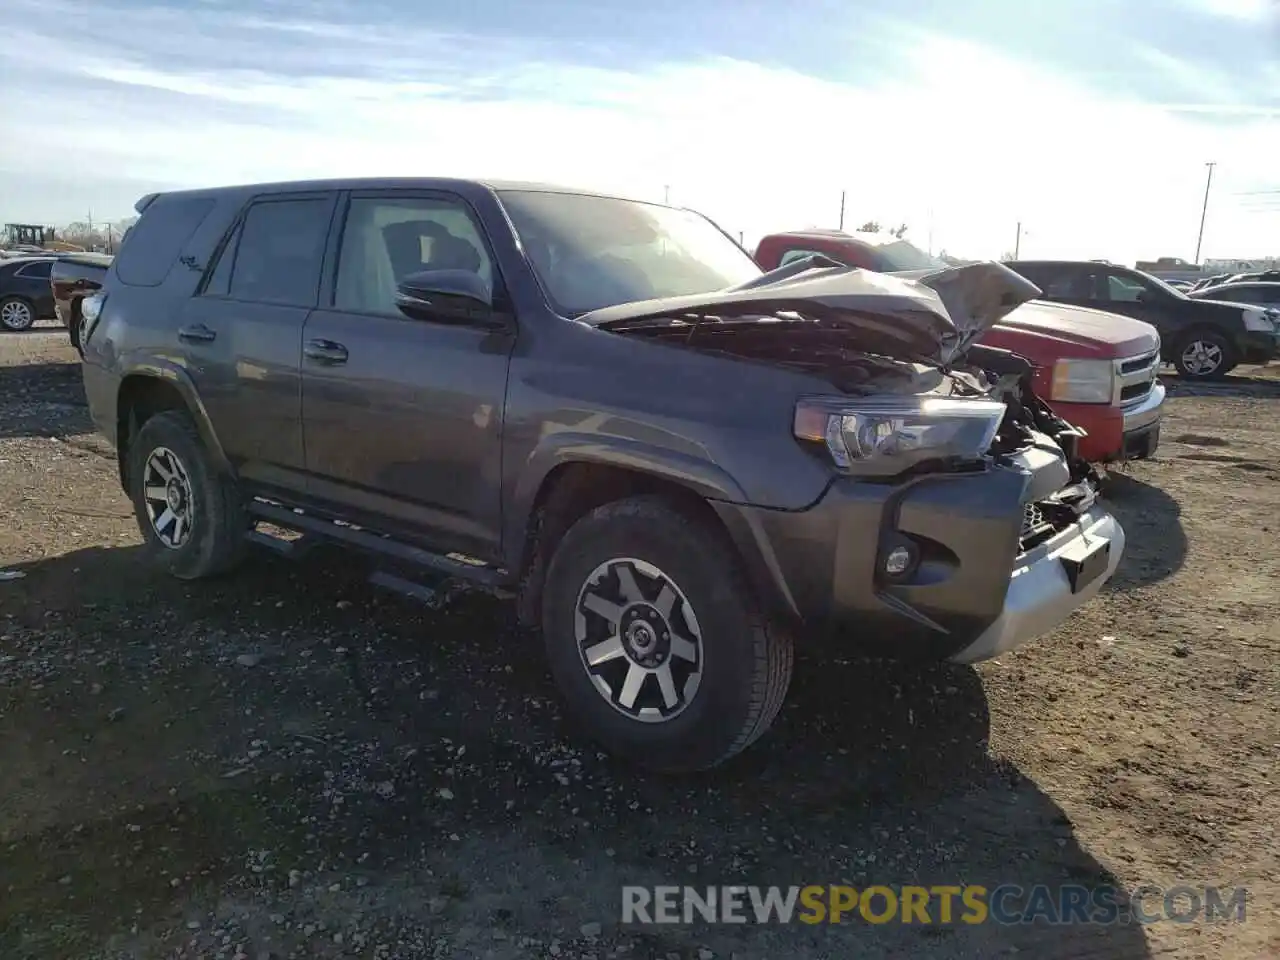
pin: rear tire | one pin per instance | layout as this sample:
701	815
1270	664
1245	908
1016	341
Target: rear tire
16	314
73	328
1204	355
191	515
637	588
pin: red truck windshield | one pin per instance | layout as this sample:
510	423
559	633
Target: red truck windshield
901	255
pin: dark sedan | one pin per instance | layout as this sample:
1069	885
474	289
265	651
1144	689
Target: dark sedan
1203	337
25	293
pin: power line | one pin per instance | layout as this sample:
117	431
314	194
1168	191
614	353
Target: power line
1205	209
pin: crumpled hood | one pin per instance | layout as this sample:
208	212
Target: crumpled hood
933	316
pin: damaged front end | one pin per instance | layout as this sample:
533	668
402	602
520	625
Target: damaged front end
916	392
960	521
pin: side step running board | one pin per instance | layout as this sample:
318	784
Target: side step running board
317	527
286	548
418	591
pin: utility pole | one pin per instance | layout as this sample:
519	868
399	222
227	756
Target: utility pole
1205	209
666	195
931	231
841	209
1017	243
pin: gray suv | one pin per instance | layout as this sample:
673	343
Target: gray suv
677	465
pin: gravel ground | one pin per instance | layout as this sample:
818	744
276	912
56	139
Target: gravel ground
287	763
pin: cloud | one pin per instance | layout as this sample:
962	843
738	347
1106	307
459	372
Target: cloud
1249	11
948	132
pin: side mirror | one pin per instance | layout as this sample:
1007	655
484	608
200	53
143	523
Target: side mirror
445	296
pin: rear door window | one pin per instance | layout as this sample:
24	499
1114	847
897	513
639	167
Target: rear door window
154	243
279	251
36	271
219	282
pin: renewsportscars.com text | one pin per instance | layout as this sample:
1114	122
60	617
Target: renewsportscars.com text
938	904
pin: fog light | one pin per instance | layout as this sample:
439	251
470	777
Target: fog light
897	561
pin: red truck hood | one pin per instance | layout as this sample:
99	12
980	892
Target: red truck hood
1050	331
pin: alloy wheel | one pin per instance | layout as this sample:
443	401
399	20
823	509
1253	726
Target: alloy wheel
639	640
16	315
1201	358
166	491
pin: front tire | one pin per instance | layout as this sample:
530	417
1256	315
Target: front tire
190	514
16	314
1205	355
654	640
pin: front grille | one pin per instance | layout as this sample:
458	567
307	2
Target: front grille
1134	364
1135	391
1135	377
1032	517
1036	527
1041	521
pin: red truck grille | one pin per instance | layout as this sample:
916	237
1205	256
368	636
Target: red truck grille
1135	376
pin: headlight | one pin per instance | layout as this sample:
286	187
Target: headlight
884	436
1083	381
1256	318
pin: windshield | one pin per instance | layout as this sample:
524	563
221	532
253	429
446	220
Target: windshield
901	255
1161	285
592	252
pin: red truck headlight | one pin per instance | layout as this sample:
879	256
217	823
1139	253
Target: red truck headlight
1083	381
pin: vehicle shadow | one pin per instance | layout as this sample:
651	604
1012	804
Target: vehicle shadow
1245	382
42	400
1155	542
424	754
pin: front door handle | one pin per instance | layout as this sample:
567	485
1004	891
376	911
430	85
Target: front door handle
325	351
198	333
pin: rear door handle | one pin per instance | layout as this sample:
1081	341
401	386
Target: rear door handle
198	334
325	351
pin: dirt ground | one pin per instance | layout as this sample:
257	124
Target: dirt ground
288	763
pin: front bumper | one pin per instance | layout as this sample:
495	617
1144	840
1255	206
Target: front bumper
1259	346
977	591
1118	432
1141	426
1041	594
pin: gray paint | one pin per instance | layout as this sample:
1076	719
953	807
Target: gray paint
446	433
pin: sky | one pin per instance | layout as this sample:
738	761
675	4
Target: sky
1087	122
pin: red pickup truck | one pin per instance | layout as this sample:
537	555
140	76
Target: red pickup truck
1095	369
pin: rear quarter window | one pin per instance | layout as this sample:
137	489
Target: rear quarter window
154	243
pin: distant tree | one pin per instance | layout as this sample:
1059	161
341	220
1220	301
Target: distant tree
874	226
103	236
1008	255
82	235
